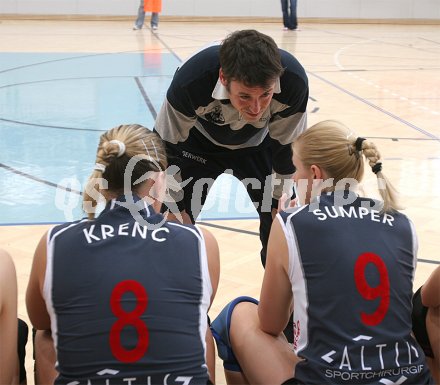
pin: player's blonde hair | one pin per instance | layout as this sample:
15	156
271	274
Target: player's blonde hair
116	148
333	147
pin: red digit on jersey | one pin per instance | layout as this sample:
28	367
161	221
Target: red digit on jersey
382	290
129	318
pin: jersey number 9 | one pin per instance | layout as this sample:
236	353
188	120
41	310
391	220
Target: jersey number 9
382	290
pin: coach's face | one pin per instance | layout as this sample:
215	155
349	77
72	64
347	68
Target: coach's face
251	102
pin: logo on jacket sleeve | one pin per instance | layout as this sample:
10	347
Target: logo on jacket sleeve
216	115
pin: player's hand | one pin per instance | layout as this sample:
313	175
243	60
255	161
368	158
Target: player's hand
286	203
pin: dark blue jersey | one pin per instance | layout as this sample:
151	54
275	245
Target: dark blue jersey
128	299
352	270
196	100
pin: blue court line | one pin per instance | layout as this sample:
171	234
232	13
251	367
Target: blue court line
390	114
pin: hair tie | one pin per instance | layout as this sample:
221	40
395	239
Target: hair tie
358	143
121	146
99	167
377	167
357	146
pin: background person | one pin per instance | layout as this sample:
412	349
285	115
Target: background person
153	6
345	265
235	106
126	294
290	20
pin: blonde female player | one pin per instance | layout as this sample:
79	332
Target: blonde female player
344	264
126	294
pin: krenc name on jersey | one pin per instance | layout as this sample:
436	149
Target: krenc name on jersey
101	232
329	212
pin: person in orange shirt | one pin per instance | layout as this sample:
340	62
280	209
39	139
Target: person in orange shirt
153	6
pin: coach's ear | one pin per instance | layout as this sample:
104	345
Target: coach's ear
222	78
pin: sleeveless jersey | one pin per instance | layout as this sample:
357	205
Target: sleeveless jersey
128	299
352	270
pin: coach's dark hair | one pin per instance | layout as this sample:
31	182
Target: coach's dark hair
250	57
115	150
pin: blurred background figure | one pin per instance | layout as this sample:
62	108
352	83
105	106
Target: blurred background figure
289	15
153	6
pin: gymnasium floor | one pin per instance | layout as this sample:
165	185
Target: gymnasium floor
64	82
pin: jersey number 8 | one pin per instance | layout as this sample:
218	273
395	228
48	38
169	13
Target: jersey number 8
129	318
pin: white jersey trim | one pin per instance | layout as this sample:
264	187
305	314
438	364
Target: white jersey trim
415	245
48	279
206	285
298	283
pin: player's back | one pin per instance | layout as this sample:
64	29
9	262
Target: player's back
351	269
129	299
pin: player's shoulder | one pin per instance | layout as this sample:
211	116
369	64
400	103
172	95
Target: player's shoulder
65	227
296	212
184	230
